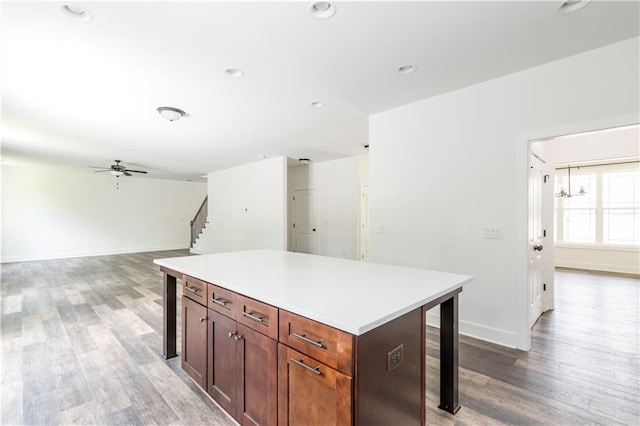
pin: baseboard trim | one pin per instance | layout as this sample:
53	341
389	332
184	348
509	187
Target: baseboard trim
49	256
620	269
478	331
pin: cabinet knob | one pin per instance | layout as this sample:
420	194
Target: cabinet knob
203	319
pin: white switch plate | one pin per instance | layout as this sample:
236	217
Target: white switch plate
493	232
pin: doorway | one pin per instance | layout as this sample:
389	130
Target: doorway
304	230
577	222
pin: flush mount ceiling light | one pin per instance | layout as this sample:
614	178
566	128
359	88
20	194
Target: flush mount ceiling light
407	69
304	161
170	113
317	104
569	6
322	9
76	12
234	72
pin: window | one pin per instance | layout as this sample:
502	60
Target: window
609	212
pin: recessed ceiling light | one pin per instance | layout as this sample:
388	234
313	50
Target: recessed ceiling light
234	72
407	69
76	12
569	6
170	113
317	104
322	9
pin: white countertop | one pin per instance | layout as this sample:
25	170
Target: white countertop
349	295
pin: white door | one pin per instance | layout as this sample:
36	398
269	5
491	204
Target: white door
364	223
303	228
536	285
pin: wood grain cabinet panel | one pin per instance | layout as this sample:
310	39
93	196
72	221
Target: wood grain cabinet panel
222	355
259	316
195	289
331	346
223	301
258	378
242	375
311	393
194	340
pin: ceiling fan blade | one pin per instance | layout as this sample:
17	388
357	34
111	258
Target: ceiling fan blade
135	171
100	171
99	167
127	173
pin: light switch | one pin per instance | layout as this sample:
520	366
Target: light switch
493	232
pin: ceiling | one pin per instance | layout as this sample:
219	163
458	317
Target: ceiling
78	93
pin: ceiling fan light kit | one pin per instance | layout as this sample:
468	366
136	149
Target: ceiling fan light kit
170	113
117	170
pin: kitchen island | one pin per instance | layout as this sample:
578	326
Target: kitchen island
315	339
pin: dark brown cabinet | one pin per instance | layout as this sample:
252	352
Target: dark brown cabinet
257	368
194	340
268	366
242	371
222	382
311	393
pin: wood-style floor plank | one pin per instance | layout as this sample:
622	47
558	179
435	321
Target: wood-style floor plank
81	344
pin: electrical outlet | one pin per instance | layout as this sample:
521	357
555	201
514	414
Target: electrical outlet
395	357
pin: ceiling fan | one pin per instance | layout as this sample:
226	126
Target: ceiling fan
117	169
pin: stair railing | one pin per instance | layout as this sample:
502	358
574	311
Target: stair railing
199	221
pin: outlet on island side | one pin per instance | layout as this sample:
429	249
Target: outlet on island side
395	357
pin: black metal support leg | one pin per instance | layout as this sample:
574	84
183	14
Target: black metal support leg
449	355
169	316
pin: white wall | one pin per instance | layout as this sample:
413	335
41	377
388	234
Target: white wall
247	207
444	167
55	213
336	208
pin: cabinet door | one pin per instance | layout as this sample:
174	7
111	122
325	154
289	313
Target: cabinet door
194	340
222	353
310	393
257	376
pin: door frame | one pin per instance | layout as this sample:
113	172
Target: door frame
294	206
523	332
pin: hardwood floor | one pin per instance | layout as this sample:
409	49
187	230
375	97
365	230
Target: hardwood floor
583	367
81	344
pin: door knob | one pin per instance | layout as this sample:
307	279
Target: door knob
537	247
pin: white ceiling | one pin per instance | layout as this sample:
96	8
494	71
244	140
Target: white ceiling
85	93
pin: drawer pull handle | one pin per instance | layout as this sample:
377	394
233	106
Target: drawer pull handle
203	319
193	290
314	370
219	301
305	339
253	317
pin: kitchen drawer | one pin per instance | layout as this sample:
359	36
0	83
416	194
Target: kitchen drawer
223	301
324	343
194	289
259	316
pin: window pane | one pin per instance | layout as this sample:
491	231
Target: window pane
621	226
579	226
621	189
